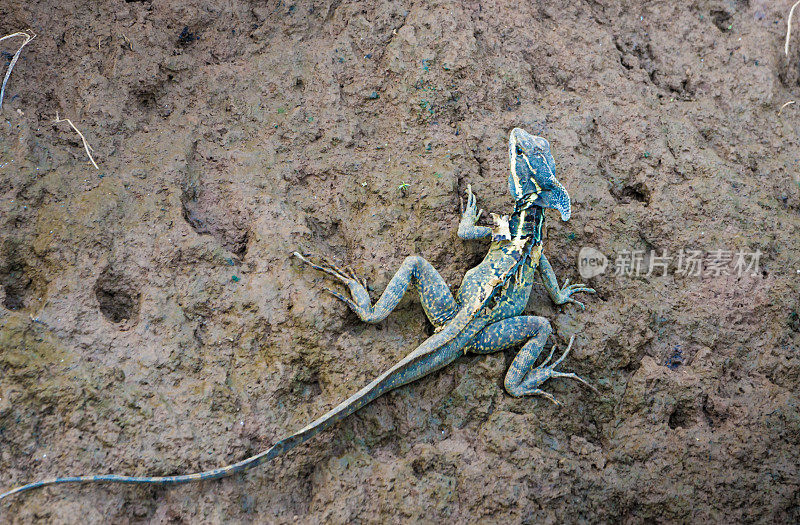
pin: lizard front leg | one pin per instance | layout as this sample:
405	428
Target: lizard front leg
563	294
522	379
435	295
469	217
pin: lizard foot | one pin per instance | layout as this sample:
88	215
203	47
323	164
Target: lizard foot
346	275
540	374
566	291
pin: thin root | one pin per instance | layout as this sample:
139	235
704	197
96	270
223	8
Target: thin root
125	38
86	145
789	28
29	35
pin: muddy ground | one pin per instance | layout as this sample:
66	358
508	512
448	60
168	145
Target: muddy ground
154	323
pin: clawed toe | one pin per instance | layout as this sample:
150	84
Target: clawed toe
546	395
568	290
346	275
544	372
578	303
341	297
549	357
326	265
564	355
571	375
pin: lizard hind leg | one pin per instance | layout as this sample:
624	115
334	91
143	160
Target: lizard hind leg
435	295
525	380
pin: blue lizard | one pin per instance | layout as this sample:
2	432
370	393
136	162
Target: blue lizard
485	316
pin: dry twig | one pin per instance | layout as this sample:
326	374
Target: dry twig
790	102
789	28
130	45
86	145
29	35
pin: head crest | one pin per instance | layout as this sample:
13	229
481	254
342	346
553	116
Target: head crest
533	173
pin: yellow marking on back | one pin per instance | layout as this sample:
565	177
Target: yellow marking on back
536	254
521	223
517	185
501	230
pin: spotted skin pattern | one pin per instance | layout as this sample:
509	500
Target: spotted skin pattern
484	317
437	301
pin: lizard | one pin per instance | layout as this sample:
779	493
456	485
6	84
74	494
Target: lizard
485	316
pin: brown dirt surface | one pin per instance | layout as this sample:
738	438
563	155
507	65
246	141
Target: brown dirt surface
153	322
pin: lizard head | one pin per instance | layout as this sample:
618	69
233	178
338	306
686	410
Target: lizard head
533	173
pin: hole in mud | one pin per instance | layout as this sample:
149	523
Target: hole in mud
308	384
17	286
421	465
322	229
632	366
637	192
117	297
714	417
632	192
476	257
722	20
239	244
191	216
680	417
312	389
233	238
15	277
794	321
145	99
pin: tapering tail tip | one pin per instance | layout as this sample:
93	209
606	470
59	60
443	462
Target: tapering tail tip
223	472
36	485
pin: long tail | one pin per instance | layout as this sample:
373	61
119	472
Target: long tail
253	461
426	358
279	448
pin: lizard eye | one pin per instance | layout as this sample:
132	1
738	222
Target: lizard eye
519	150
